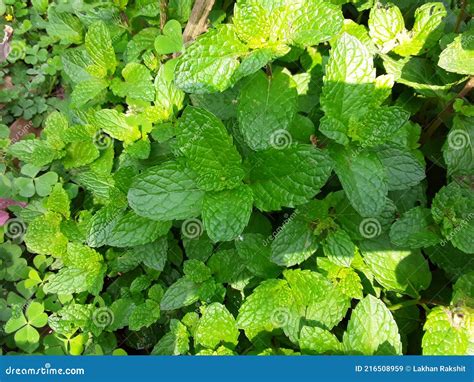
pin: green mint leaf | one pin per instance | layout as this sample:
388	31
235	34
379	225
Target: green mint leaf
317	299
36	152
144	315
166	192
404	168
100	50
84	271
138	83
225	214
267	308
267	24
64	26
400	270
169	98
447	331
458	57
415	229
363	178
318	341
339	248
372	330
56	125
451	208
183	292
209	150
131	230
348	89
293	243
385	25
378	125
287	176
458	150
197	67
115	124
196	270
216	326
266	108
44	235
344	278
87	90
426	32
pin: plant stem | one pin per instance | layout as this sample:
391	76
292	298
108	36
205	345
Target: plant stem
460	16
403	304
433	126
197	22
163	13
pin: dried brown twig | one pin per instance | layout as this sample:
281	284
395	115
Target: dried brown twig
197	22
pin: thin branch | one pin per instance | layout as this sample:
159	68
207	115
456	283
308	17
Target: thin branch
197	22
163	12
433	126
461	15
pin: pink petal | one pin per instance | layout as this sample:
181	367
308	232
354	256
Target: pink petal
4	203
4	216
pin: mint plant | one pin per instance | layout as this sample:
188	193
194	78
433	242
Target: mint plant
276	178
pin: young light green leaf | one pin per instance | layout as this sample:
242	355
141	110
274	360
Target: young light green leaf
448	331
197	67
458	57
426	32
404	271
339	248
216	326
100	50
115	124
318	341
385	24
372	330
348	89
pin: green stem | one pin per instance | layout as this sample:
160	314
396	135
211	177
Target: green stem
460	17
403	304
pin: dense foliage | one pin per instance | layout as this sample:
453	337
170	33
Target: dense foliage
299	179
